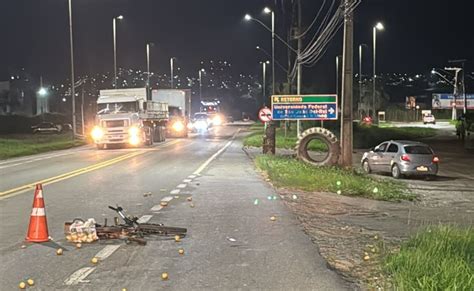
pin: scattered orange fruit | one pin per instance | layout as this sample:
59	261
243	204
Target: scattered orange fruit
94	260
59	251
22	285
273	218
181	251
164	276
30	282
177	238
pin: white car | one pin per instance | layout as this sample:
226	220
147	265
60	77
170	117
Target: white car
429	118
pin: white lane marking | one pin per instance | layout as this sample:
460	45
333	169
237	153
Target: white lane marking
187	180
167	199
144	218
157	208
181	186
214	156
106	252
175	191
79	276
192	176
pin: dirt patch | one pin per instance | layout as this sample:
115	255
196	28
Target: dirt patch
354	234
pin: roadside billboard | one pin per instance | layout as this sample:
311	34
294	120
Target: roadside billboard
445	101
410	102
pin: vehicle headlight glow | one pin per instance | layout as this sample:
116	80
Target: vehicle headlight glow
97	133
133	131
217	120
190	125
134	140
178	126
200	124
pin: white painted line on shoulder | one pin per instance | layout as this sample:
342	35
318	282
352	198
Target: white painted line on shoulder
187	180
144	218
106	252
175	191
214	156
167	199
192	176
157	208
181	186
79	276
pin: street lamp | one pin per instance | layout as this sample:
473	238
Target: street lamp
200	87
114	30
264	73
172	72
267	10
378	26
148	66
42	92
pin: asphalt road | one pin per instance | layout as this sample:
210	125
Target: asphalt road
231	242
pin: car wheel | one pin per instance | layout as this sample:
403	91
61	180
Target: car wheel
366	167
396	172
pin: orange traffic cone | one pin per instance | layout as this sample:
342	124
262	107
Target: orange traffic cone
38	228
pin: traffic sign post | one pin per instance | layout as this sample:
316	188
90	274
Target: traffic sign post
265	114
304	107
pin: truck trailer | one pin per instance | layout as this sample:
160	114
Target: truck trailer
179	106
127	117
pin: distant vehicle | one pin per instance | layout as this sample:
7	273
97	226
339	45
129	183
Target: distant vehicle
179	105
401	157
366	121
429	118
200	122
46	127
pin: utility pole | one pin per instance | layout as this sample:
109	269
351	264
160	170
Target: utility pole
463	86
298	64
73	93
347	63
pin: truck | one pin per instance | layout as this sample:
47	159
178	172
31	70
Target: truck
179	106
128	117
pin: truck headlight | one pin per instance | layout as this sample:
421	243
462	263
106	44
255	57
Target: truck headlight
97	133
134	131
134	140
217	120
178	126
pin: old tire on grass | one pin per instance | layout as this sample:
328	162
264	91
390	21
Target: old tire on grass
323	135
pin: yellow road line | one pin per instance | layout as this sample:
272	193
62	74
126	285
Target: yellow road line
61	177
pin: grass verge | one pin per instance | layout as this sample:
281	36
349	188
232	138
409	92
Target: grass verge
290	173
28	144
439	258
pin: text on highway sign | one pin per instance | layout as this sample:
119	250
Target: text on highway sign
304	107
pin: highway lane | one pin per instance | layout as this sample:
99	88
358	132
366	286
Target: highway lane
157	170
231	242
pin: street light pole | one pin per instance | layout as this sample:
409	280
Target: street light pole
73	93
298	66
379	26
360	76
200	88
264	73
114	32
148	65
172	73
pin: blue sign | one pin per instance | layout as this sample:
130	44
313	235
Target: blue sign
304	107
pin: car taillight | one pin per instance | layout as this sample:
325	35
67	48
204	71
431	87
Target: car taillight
435	159
405	158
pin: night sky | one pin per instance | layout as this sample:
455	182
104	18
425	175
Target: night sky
419	35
